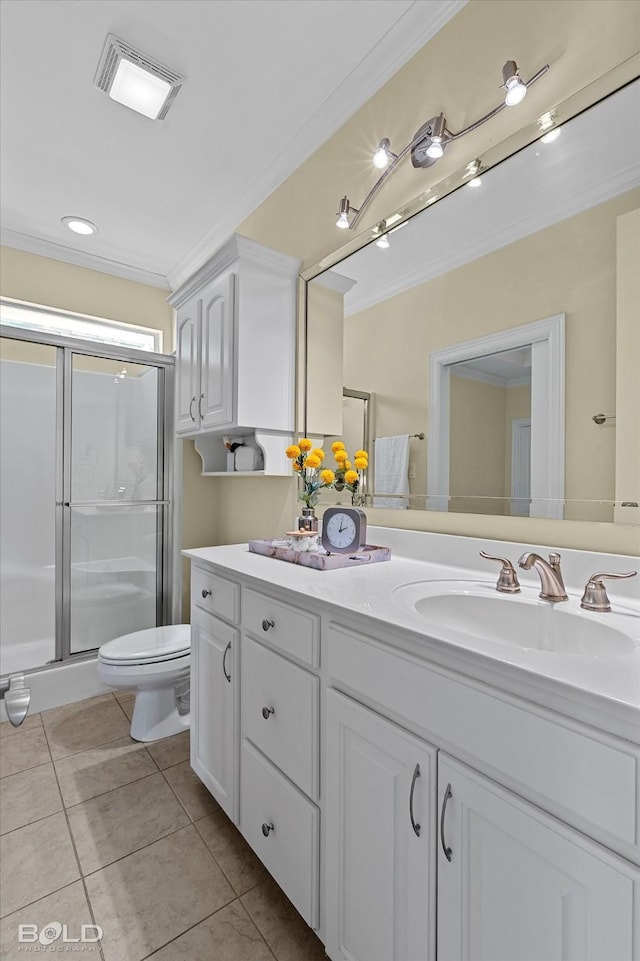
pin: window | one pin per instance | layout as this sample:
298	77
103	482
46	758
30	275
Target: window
98	329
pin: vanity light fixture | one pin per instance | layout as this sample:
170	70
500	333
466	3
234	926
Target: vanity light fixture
136	80
431	140
79	225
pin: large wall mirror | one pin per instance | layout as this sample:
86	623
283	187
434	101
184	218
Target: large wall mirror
483	332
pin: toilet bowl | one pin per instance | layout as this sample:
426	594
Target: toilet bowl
155	663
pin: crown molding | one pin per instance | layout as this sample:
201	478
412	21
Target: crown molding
502	235
78	258
335	281
419	24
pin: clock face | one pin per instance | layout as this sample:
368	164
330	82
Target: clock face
343	530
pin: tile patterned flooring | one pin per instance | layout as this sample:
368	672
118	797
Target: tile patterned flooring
96	828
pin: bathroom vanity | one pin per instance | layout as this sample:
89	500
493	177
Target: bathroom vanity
428	768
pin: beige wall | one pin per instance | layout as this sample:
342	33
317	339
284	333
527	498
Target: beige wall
568	268
477	446
627	403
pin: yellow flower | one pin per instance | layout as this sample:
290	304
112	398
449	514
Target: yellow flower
347	465
327	476
351	477
318	453
296	466
305	444
312	461
340	456
293	451
337	445
361	453
361	463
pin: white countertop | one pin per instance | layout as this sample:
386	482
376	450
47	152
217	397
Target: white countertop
600	690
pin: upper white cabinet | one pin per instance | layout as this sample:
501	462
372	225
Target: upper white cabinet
235	342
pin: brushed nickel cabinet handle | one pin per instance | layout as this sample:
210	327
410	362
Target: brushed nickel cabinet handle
267	624
224	662
414	825
200	407
267	712
193	400
267	828
447	850
205	592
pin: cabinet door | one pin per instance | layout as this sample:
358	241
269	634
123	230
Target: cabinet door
217	375
521	886
379	837
187	367
214	727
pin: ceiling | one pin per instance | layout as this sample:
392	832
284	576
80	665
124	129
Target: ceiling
267	82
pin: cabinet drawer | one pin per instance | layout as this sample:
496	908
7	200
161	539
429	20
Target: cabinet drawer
290	849
215	594
288	696
289	629
586	778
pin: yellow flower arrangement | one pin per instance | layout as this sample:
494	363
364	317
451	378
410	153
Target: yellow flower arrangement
307	461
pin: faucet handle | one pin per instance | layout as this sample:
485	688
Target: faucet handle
507	578
595	596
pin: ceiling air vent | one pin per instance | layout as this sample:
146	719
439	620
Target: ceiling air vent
164	83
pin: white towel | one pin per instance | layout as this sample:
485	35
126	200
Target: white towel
392	471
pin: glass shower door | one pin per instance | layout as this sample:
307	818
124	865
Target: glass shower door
113	532
28	380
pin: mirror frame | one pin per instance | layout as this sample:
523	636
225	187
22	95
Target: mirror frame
625	73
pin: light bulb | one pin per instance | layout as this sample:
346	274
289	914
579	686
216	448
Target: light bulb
381	156
551	135
382	242
516	91
342	221
435	150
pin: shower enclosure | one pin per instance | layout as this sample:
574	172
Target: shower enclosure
85	496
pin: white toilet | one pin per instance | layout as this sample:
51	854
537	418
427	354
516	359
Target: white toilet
155	662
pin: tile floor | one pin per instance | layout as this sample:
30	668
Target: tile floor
99	829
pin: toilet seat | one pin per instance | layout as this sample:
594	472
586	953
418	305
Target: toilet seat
152	646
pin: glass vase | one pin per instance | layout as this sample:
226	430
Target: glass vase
307	521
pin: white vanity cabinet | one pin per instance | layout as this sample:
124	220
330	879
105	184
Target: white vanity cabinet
235	342
214	686
515	883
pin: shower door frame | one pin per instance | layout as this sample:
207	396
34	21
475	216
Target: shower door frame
66	347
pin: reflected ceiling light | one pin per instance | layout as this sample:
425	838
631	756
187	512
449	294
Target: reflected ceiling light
344	210
515	88
548	126
383	154
136	80
430	141
473	171
383	242
551	135
79	225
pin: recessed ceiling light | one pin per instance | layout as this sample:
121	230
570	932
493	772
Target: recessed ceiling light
136	80
79	225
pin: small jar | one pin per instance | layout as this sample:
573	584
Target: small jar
307	521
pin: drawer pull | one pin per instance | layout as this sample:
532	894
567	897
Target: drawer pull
224	662
267	829
267	712
414	825
267	624
447	794
205	592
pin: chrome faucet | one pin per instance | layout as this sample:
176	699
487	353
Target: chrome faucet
551	583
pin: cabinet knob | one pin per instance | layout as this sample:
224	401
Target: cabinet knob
267	829
267	624
205	592
267	712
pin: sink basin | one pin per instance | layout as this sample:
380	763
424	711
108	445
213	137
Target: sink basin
527	623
